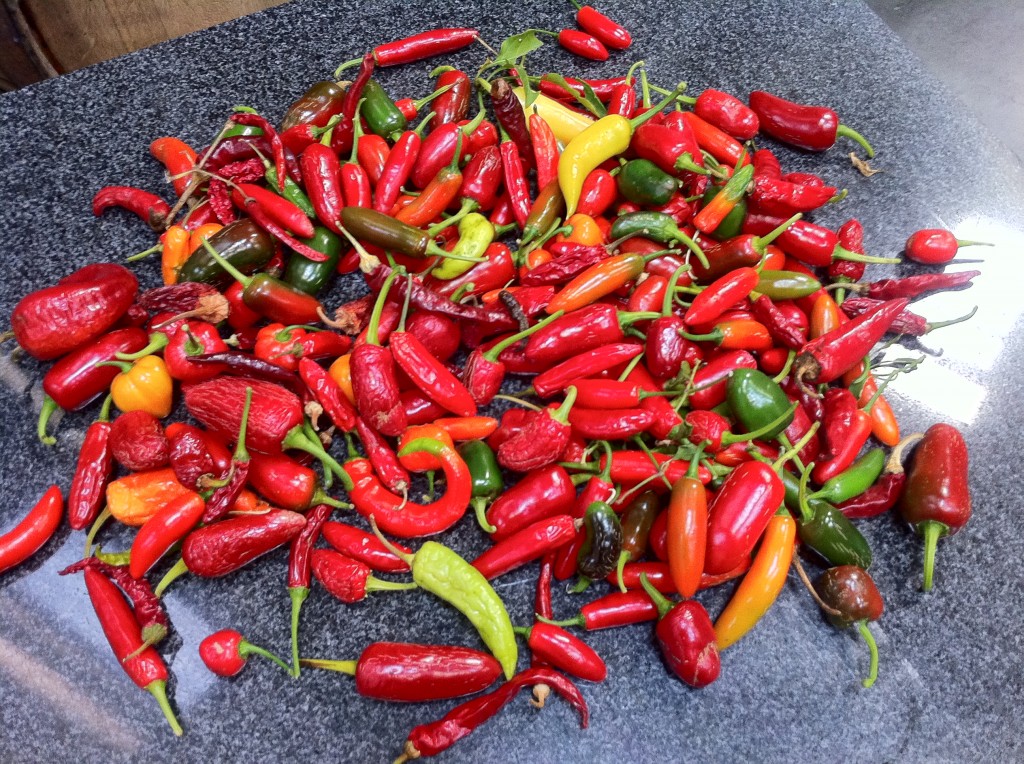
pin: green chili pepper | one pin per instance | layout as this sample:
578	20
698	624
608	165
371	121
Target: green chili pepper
308	275
657	226
757	400
292	191
599	554
787	285
443	573
382	116
824	528
644	183
732	225
486	476
476	233
854	480
387	233
241	131
548	207
243	244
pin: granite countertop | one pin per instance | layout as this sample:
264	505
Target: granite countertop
949	687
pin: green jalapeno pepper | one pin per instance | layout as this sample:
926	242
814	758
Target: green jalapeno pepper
657	226
243	244
476	233
757	400
599	554
854	480
292	191
644	183
824	528
732	224
786	285
381	115
308	275
486	478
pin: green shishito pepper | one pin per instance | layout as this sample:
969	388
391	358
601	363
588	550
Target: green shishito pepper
382	116
732	225
486	477
243	244
854	480
786	285
443	573
310	276
757	400
476	233
824	528
644	183
656	226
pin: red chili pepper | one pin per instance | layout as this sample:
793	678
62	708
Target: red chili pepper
937	500
92	473
226	652
614	610
452	104
775	196
565	652
423	45
540	495
138	443
718	143
585	329
285	483
711	379
610	424
373	152
347	579
603	28
384	460
583	44
851	238
916	285
609	394
598	192
658	574
631	467
935	246
686	637
438	149
283	212
365	547
721	295
178	157
322	176
887	490
586	364
33	531
814	128
783	329
727	113
407	673
82	306
515	181
688	530
300	570
845	429
495	273
142	664
740	512
225	546
431	375
374	381
541	440
525	545
431	739
194	453
149	207
545	150
396	170
665	350
826	358
167	527
328	394
509	113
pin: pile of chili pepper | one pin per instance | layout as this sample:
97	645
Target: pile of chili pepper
697	393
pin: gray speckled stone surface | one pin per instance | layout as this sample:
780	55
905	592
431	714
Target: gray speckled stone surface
950	685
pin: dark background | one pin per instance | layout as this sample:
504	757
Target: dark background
949	684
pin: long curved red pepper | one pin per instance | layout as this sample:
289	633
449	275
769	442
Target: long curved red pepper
149	207
34	530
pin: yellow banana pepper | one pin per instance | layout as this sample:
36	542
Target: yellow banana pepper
565	123
602	140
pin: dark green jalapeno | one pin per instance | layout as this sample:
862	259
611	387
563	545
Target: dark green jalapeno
757	400
307	275
600	551
485	476
637	521
656	226
824	528
382	116
643	182
854	480
787	285
387	233
243	244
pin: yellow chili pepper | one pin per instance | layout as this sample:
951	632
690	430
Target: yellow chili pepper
134	499
565	123
762	584
143	386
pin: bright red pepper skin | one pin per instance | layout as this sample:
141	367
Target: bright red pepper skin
721	295
34	530
803	240
515	181
408	673
711	379
322	175
584	364
365	547
149	207
525	545
383	458
813	128
481	178
613	35
565	652
932	246
94	470
138	443
76	379
937	488
221	652
740	512
168	526
301	550
328	394
666	144
727	113
204	339
217	403
618	609
686	637
396	170
437	150
375	386
423	45
227	545
582	44
610	424
598	192
82	306
282	481
541	494
430	374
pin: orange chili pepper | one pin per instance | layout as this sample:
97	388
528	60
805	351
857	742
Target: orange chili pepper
762	584
433	200
597	281
341	372
687	531
178	157
774	259
537	258
883	421
736	334
175	252
584	230
134	499
824	317
461	428
421	461
248	503
204	231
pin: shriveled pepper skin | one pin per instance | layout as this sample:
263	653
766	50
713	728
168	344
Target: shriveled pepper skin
225	546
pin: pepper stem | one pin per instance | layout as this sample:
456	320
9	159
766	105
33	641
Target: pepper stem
845	131
405	557
660	601
624	557
98	523
241	455
894	464
231	270
480	509
297	439
48	408
158	689
865	632
157	342
932	530
656	108
373	327
320	497
581	585
246	648
561	414
759	432
763	241
579	620
796	448
806	513
179	569
374	584
298	595
786	367
342	667
932	325
670	289
844	254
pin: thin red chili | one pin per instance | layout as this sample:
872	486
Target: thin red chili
424	45
149	207
33	531
525	545
383	458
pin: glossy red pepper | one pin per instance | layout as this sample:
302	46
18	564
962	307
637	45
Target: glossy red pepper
583	44
194	338
430	374
374	379
727	113
226	652
225	546
558	648
614	610
686	637
585	364
740	512
285	483
33	531
610	424
365	547
149	207
167	527
814	128
92	473
525	545
541	494
515	181
423	45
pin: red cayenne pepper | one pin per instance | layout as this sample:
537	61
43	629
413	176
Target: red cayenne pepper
541	494
384	460
614	610
150	207
845	429
424	45
525	545
34	530
545	150
365	547
610	33
914	286
408	673
431	739
224	547
814	128
565	652
374	382
164	529
583	45
887	490
300	570
93	472
143	665
515	180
